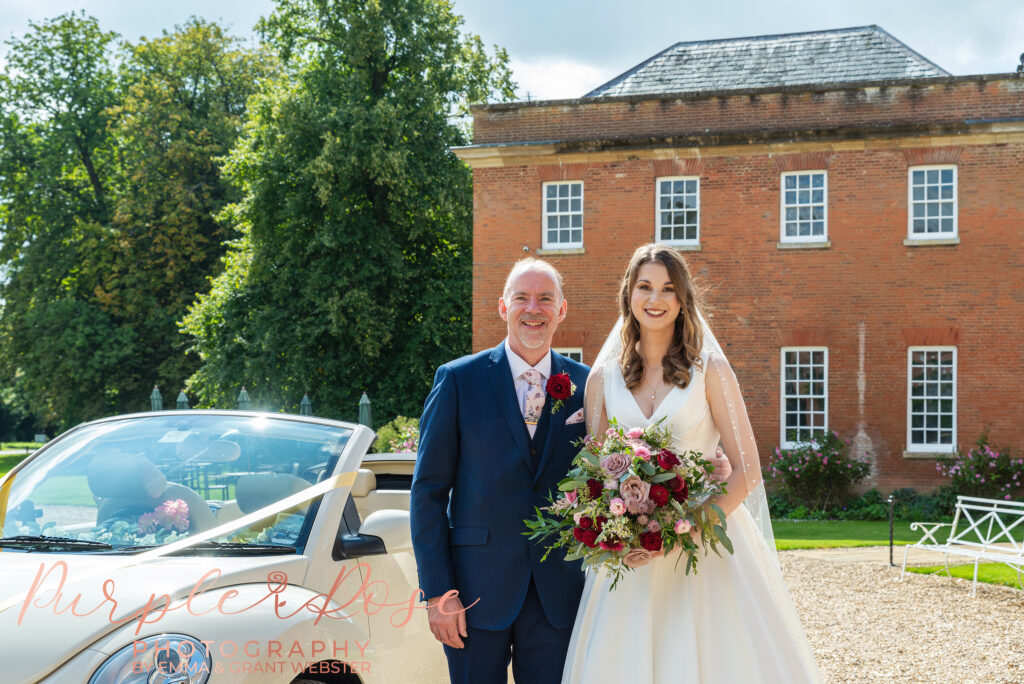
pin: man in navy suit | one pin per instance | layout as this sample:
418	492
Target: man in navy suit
481	469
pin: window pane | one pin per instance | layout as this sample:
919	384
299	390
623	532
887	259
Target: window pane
947	175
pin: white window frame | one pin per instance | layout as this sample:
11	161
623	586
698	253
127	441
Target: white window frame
782	207
569	352
544	215
930	448
657	211
911	235
783	439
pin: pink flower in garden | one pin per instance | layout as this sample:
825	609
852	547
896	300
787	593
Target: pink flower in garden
617	506
1007	497
635	433
683	526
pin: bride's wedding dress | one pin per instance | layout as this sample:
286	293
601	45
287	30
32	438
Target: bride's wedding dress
733	622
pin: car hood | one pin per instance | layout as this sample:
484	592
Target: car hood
80	598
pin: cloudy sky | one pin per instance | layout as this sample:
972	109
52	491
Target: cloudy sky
564	48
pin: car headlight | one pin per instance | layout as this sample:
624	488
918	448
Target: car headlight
160	659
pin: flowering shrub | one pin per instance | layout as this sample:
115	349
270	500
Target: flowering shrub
402	435
817	475
985	472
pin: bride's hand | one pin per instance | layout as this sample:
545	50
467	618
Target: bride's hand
723	469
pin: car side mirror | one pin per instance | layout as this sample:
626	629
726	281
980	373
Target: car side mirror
391	526
385	531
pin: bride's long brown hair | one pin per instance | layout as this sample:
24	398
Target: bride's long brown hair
687	339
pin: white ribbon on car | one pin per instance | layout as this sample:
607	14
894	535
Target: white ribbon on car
300	497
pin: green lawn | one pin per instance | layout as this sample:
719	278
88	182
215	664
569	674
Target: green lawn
8	462
31	446
70	490
827	534
991	573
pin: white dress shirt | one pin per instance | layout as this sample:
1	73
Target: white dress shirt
519	366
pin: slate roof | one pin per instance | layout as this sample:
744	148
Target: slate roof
865	53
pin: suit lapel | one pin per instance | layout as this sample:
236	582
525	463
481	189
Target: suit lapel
505	392
555	421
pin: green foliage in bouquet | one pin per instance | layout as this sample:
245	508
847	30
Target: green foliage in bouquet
628	499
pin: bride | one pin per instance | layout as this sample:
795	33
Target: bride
733	621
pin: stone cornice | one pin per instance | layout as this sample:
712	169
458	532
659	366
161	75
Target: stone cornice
744	143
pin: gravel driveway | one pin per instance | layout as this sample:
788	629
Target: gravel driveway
865	626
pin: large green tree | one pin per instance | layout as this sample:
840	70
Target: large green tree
354	269
108	188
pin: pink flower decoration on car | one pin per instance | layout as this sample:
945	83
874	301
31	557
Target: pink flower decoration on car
170	515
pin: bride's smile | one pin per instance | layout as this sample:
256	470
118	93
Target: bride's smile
653	301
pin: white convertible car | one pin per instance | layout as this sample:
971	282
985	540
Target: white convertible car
186	547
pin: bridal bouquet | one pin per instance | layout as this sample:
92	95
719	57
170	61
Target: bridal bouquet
629	497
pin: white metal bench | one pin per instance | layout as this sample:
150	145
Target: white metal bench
982	529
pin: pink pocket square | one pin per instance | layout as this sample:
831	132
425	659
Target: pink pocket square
575	418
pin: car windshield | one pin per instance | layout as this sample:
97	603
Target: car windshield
150	480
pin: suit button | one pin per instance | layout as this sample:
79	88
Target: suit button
533	452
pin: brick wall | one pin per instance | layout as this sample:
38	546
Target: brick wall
762	297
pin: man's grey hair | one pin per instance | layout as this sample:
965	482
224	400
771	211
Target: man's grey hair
532	264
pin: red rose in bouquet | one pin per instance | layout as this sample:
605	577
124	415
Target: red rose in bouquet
589	537
667	460
596	487
611	545
651	541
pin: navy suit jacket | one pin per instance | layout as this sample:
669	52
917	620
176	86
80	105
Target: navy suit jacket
475	482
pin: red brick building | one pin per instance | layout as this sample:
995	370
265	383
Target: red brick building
857	212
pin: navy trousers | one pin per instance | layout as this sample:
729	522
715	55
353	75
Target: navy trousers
534	646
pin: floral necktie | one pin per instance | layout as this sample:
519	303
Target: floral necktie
534	403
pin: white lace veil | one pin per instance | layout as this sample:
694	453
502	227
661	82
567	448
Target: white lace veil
756	501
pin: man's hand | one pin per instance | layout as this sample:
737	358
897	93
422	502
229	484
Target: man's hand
447	619
723	469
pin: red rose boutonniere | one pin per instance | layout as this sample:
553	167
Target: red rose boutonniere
560	388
